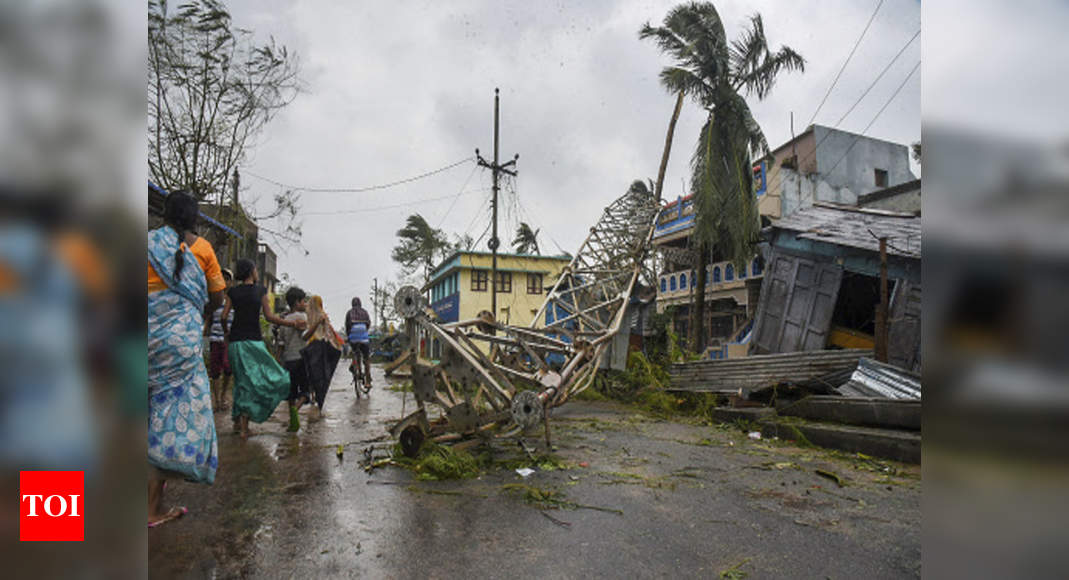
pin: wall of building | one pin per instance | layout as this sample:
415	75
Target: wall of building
517	307
798	191
907	202
856	170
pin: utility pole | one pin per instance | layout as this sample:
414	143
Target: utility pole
374	301
881	309
496	169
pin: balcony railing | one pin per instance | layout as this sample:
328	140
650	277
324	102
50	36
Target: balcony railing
717	275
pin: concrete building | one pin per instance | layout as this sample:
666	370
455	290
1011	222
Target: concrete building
730	292
904	198
829	165
266	263
459	287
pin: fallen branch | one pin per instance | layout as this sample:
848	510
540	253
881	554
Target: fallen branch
560	523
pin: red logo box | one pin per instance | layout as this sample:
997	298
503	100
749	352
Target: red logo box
51	506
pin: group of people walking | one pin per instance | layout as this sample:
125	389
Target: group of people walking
185	281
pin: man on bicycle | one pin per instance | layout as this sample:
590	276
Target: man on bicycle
357	323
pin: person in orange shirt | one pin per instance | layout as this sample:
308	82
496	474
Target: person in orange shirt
184	279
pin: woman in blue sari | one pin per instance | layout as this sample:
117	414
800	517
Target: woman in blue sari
184	278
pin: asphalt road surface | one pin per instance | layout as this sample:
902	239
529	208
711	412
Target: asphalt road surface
637	497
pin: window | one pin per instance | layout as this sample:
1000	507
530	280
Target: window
478	280
534	283
664	285
756	268
682	281
672	283
716	274
881	178
503	282
693	280
729	273
742	272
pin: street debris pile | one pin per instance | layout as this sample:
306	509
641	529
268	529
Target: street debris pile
500	380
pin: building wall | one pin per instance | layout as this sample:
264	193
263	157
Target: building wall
908	202
516	307
856	170
771	203
798	191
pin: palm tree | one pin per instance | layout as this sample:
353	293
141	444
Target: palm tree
716	75
526	240
418	244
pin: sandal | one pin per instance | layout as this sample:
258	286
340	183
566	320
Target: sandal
173	514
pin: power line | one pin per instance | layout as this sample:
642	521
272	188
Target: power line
878	77
394	206
878	113
362	189
772	184
846	62
459	193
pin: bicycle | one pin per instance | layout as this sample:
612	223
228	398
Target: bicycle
356	369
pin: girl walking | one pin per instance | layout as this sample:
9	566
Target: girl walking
260	383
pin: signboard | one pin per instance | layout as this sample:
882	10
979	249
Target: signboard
448	308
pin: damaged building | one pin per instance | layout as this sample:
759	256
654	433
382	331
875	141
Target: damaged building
822	285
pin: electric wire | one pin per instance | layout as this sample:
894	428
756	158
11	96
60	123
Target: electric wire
846	62
362	189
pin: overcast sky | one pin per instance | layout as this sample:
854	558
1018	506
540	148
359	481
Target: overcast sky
394	90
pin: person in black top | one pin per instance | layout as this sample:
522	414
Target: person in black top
260	383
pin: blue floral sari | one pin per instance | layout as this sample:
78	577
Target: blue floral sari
181	428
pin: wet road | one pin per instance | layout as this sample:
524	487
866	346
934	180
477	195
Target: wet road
695	499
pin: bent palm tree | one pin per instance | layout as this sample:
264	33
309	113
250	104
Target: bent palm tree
418	244
716	74
526	240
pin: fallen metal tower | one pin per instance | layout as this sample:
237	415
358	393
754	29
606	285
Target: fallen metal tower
499	380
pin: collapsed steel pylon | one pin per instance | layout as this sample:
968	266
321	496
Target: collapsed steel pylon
509	386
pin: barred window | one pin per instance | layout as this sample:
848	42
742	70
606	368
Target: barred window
479	280
534	283
503	283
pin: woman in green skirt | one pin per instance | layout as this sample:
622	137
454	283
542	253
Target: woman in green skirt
260	383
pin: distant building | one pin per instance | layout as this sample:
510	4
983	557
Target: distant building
826	164
224	238
266	262
459	287
232	234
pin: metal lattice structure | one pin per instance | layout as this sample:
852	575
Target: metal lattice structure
496	378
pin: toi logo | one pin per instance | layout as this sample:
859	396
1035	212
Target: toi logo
51	506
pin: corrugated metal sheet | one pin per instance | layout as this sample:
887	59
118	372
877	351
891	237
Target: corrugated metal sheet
875	379
856	228
760	371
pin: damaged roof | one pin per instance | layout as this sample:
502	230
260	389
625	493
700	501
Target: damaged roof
875	379
856	227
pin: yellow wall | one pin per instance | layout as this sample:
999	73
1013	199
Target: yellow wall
516	307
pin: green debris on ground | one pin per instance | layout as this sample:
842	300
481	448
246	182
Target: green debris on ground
544	498
735	572
405	387
590	394
830	475
437	462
